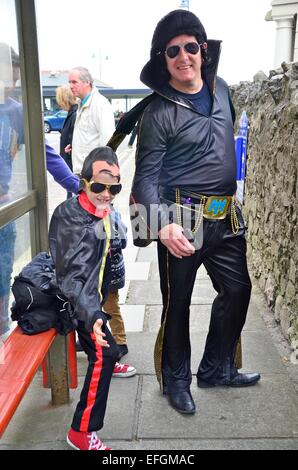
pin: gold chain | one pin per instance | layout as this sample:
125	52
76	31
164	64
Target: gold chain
234	219
200	212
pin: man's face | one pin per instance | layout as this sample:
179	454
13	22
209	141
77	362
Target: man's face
79	88
185	68
106	174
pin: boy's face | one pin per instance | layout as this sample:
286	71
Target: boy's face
105	174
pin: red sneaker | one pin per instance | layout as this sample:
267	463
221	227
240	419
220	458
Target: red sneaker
85	441
123	370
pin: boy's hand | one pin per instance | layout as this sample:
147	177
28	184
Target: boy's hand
99	334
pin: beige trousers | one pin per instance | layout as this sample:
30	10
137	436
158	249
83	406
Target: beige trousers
116	323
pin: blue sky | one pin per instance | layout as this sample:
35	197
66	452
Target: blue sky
112	37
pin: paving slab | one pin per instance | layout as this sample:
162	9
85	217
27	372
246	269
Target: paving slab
36	421
254	320
122	409
199	318
207	444
137	271
46	445
258	352
148	254
133	317
82	364
123	293
268	409
149	293
130	254
172	444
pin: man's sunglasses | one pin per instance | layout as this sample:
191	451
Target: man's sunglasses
190	48
100	187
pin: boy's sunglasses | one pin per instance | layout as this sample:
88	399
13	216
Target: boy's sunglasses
100	187
190	48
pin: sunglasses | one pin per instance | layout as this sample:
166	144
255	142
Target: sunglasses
100	187
190	47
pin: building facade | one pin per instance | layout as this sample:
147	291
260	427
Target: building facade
284	13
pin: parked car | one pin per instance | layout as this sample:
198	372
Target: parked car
54	122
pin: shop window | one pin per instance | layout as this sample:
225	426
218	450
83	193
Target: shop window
15	253
13	165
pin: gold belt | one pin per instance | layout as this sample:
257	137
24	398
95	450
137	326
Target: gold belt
212	208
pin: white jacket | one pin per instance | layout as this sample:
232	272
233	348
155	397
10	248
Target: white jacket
93	128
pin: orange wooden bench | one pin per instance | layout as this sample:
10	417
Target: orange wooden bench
20	357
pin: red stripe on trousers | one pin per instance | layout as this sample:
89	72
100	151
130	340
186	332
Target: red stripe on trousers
95	378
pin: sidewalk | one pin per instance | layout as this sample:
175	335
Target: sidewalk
138	417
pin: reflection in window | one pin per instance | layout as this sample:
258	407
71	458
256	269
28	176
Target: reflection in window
13	174
15	253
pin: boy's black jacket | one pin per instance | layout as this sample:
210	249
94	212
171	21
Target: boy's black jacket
79	248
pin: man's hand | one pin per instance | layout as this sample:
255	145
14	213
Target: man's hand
172	237
67	148
99	334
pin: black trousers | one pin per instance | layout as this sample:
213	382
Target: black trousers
224	255
90	411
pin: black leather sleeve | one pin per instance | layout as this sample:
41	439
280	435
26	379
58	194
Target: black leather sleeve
154	133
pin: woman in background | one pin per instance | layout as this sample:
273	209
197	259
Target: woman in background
67	101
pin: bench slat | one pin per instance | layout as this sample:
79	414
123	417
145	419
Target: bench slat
20	357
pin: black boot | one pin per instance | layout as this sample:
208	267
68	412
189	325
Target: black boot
239	380
182	401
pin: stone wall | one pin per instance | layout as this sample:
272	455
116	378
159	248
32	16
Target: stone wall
271	207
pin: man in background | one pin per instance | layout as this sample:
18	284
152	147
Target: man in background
95	118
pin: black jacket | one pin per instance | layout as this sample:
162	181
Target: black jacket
79	245
67	133
180	147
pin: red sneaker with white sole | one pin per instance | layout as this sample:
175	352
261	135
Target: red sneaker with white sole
85	441
123	370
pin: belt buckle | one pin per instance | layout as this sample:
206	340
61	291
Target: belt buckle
216	207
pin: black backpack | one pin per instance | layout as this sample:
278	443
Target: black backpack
38	304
